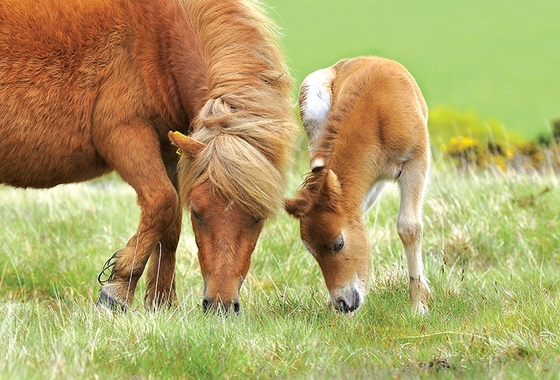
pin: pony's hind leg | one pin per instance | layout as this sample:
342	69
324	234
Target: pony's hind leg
410	229
157	235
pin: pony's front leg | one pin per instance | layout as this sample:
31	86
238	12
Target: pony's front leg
123	270
161	270
410	229
133	150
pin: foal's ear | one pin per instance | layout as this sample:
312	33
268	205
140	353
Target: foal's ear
297	207
332	185
185	144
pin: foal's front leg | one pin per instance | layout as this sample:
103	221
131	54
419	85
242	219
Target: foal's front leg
133	150
410	228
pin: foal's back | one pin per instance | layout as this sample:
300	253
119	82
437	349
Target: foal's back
379	115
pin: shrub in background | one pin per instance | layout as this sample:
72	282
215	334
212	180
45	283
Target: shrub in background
474	144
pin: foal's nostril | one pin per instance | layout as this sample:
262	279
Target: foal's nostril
341	305
348	304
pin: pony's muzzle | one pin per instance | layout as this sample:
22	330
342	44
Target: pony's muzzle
211	305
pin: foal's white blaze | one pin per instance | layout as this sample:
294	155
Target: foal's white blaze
315	102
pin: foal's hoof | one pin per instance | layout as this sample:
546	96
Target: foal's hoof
420	292
106	303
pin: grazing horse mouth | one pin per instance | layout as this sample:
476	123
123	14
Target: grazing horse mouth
209	306
349	298
221	304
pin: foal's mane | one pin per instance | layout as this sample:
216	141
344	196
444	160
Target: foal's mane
321	161
247	124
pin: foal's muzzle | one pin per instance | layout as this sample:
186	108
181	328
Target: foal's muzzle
348	302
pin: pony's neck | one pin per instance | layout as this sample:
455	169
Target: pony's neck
179	53
188	67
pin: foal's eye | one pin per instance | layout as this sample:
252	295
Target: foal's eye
338	244
256	222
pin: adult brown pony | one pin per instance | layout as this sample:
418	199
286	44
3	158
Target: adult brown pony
366	123
87	87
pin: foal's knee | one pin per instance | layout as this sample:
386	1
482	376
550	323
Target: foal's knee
409	231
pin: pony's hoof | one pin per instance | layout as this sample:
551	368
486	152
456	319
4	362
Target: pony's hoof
108	304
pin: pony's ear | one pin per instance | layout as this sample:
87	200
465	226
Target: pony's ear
185	144
297	207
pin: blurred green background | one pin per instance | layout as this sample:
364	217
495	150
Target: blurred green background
497	59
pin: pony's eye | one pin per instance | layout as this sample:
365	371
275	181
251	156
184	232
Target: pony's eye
338	244
256	222
196	215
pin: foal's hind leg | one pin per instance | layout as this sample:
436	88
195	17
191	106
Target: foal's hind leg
133	150
410	228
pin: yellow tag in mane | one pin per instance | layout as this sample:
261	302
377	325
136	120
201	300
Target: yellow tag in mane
177	133
180	135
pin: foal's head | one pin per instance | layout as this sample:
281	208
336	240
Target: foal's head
229	189
334	235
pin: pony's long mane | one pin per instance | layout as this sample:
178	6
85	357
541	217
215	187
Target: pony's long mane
247	123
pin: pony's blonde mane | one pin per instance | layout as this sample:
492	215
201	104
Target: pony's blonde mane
247	123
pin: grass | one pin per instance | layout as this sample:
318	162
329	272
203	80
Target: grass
499	58
492	253
491	242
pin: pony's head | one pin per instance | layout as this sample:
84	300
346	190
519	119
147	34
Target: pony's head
232	170
231	181
334	235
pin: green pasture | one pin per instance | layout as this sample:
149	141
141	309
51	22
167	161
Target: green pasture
491	241
492	254
498	58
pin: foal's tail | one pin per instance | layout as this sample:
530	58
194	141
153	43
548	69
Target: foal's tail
315	100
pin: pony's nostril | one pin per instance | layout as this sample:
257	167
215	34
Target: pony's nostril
236	306
356	300
209	306
206	303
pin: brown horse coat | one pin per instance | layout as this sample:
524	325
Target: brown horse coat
87	87
366	121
